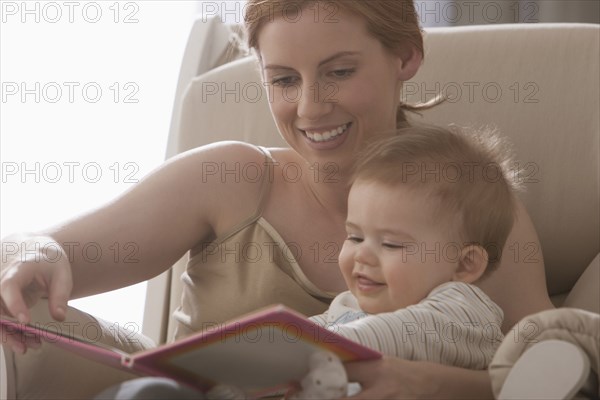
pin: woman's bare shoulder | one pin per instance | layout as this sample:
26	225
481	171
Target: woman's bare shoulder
226	179
223	152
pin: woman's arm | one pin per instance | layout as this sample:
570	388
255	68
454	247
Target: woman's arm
133	238
395	378
518	284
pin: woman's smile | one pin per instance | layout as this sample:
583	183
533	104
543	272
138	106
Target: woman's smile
326	137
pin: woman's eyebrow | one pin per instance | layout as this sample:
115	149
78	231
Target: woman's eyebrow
325	61
339	55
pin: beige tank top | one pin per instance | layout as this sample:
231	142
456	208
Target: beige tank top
246	269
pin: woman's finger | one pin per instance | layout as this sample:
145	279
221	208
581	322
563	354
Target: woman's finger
13	303
363	372
61	284
386	378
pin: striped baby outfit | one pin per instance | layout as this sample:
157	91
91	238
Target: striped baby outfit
456	324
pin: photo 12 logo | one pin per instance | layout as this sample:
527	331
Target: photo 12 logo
53	12
53	252
240	11
68	172
472	92
70	92
474	12
91	332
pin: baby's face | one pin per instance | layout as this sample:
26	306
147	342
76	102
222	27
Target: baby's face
395	252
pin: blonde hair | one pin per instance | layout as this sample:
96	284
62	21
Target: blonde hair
395	23
467	172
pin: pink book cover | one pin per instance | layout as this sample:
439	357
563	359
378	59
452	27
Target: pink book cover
263	352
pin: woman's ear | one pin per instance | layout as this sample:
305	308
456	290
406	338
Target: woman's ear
472	264
409	62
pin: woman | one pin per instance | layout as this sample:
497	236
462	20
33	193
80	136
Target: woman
334	70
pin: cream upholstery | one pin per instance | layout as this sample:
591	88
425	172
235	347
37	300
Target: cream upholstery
582	328
538	83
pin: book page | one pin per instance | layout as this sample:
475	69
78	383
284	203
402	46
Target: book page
265	350
254	360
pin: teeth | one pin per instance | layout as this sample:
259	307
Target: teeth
322	137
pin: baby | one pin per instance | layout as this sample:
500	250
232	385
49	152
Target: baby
429	212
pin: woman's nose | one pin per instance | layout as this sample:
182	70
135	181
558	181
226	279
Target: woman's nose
314	102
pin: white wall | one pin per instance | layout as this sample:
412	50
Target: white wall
87	92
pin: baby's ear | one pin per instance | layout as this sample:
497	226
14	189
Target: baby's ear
472	264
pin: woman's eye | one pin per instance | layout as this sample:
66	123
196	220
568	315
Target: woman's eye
283	81
342	73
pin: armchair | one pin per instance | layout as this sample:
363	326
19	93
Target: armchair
537	83
494	74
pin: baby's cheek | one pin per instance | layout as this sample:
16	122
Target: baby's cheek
346	260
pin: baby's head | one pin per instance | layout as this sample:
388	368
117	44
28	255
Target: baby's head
427	206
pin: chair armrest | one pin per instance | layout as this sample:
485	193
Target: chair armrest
576	326
52	373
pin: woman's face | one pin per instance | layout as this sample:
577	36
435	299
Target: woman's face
332	86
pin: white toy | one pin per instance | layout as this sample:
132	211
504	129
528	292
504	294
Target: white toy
326	379
225	392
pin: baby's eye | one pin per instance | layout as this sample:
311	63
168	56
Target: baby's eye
354	239
394	246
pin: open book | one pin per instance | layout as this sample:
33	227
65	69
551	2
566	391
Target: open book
261	353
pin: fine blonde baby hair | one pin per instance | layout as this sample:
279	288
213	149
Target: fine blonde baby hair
467	172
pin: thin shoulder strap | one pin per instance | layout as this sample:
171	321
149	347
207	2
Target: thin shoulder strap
267	179
265	188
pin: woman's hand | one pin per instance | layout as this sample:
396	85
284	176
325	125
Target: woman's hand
32	268
395	378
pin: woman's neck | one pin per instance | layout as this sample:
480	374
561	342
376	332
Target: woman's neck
329	189
325	184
